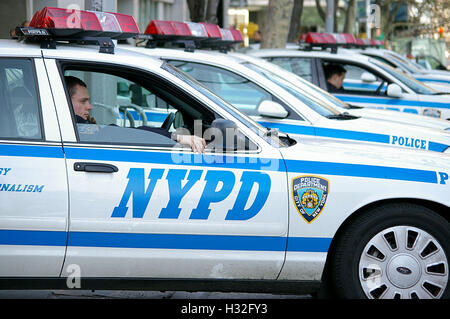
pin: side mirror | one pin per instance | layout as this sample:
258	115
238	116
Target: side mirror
394	90
368	77
223	135
272	109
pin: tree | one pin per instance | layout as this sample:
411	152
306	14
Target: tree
203	10
296	16
323	14
350	17
276	24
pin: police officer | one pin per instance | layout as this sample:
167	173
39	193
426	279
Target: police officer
335	74
79	94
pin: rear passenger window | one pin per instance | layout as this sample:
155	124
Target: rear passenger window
18	97
233	88
299	66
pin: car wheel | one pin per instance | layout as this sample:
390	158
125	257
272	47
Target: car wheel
396	251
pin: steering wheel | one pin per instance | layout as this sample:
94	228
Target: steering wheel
168	121
140	110
129	116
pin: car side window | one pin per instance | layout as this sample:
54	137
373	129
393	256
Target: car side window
121	111
360	80
117	106
20	118
300	66
233	88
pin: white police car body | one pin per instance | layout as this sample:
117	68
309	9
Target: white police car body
440	82
95	206
332	101
382	86
295	111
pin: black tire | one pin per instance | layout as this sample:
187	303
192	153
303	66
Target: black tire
359	242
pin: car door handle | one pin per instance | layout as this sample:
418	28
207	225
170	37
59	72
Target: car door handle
95	167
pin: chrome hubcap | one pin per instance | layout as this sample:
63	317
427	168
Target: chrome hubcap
403	262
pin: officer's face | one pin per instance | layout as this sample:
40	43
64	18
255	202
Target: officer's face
340	80
80	102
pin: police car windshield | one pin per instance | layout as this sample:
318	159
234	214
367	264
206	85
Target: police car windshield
412	83
247	121
309	101
409	68
413	67
327	96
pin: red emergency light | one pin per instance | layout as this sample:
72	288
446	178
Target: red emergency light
237	35
50	25
127	23
192	35
212	30
314	38
65	22
335	40
360	42
168	30
344	38
68	22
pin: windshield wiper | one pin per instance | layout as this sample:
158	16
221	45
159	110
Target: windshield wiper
271	132
342	116
354	107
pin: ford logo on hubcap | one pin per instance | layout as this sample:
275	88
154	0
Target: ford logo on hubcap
404	270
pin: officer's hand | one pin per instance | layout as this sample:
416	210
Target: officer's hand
196	143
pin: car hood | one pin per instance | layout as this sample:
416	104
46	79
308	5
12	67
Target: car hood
400	117
365	157
440	87
384	132
438	72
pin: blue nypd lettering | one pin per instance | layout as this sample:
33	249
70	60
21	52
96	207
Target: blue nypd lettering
4	170
409	142
21	188
443	177
218	185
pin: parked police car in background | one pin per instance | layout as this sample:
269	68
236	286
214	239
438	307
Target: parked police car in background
440	82
128	208
368	82
332	101
276	103
412	62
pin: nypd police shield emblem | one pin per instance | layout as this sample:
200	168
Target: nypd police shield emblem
310	195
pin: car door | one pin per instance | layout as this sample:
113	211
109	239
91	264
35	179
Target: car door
33	181
367	88
142	206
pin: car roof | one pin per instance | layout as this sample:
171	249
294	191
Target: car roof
175	52
15	48
311	53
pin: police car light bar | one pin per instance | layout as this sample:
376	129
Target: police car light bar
212	30
57	24
334	40
191	35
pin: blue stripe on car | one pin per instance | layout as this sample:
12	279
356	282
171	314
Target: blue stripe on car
229	162
162	241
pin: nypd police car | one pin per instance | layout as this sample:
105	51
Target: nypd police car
332	101
276	103
368	82
117	206
440	82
